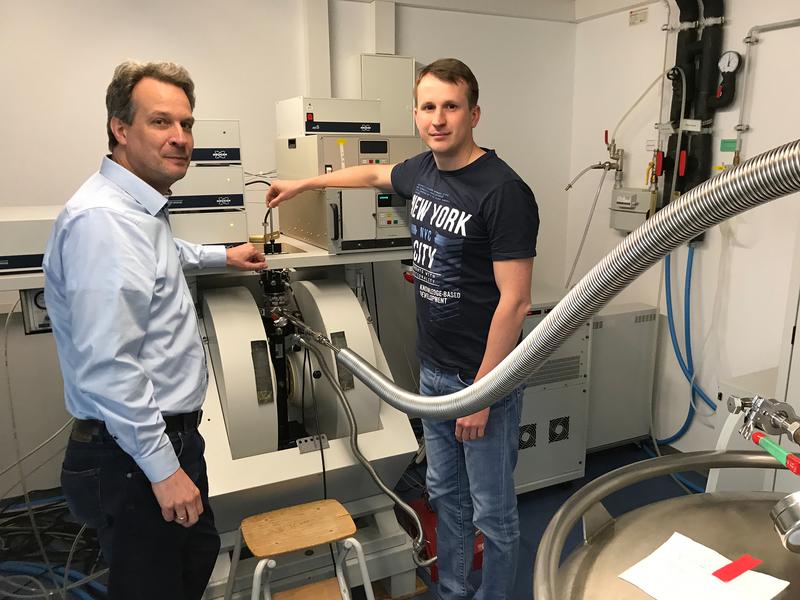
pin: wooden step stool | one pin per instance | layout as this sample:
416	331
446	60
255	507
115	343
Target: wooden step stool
290	529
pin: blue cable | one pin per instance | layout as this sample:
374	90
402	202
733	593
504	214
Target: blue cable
680	433
35	503
687	320
692	486
687	311
686	366
37	569
671	323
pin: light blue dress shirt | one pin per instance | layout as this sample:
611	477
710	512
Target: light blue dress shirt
122	314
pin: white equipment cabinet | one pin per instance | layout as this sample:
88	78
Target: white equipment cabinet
623	366
552	440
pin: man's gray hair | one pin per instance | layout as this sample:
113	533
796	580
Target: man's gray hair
118	96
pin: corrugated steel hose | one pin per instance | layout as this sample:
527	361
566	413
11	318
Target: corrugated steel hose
763	178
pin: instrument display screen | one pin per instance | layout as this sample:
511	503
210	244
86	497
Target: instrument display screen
373	146
391	201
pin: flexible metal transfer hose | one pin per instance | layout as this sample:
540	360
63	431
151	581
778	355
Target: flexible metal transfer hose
763	178
419	540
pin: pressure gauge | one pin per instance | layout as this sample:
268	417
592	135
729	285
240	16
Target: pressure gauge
729	62
38	300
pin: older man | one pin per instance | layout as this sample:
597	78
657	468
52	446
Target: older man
130	350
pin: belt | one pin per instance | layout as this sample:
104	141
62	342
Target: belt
83	430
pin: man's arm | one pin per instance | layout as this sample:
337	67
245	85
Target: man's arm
378	176
109	269
245	257
513	278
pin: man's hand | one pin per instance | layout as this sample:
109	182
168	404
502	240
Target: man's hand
246	257
178	498
281	190
472	427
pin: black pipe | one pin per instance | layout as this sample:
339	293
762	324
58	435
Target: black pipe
689	10
685	53
708	67
684	58
700	146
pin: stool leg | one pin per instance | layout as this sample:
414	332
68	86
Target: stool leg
255	593
237	550
340	556
362	565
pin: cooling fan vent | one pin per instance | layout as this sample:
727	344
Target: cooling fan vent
527	436
559	429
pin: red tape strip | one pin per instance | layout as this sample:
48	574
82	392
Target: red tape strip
732	570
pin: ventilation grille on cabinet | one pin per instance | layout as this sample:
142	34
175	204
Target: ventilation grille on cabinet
645	318
557	370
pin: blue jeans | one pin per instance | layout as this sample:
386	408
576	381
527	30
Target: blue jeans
471	485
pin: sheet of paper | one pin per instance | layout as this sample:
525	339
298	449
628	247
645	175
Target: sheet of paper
681	568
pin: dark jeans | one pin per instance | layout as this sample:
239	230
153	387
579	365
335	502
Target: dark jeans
149	557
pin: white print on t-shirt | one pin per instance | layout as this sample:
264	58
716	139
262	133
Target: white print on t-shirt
437	255
438	296
448	218
423	254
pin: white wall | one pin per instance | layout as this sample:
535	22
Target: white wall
524	69
614	64
56	59
352	31
741	274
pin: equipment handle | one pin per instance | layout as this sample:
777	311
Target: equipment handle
335	211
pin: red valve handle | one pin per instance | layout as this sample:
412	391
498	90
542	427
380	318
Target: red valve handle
659	163
682	163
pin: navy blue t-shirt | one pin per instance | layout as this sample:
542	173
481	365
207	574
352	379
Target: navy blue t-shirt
461	221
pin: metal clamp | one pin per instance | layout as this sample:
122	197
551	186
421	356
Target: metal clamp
770	416
713	21
686	25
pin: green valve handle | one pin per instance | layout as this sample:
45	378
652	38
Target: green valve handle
783	456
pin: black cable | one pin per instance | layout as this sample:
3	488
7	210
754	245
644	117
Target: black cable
267	183
375	295
319	433
321	449
58	532
303	392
